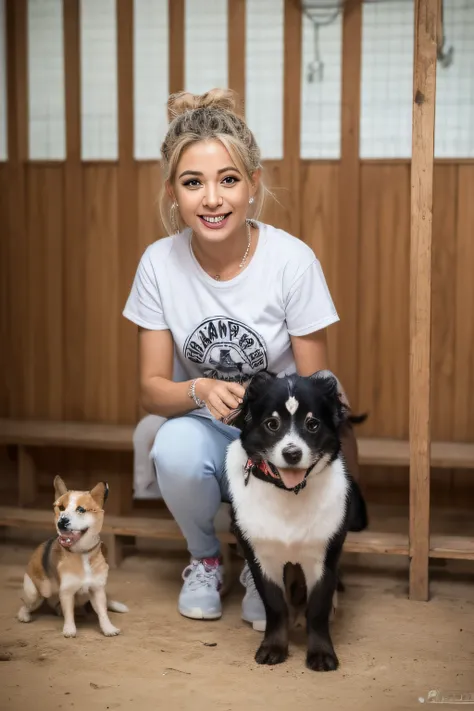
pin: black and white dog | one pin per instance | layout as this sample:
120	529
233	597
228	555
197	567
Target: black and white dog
292	502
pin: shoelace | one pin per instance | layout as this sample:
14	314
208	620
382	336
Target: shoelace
196	575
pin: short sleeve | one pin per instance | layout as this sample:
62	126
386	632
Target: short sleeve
143	305
309	306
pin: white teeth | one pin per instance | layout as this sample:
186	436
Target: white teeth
214	219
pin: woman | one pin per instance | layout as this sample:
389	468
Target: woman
221	298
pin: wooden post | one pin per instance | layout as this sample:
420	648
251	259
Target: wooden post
424	97
176	21
236	48
347	291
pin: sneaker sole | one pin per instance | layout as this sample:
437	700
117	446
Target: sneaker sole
258	625
195	613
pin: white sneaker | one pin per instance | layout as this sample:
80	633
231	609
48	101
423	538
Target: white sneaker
253	610
200	597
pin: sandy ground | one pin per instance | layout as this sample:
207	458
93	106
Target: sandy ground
392	651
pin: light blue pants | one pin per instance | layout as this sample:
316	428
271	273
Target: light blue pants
189	458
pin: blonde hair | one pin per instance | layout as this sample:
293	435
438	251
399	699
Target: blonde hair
203	117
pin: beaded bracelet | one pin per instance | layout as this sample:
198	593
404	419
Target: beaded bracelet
192	393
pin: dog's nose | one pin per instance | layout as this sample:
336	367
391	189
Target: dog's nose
63	523
292	455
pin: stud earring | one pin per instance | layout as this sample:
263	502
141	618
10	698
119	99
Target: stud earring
251	201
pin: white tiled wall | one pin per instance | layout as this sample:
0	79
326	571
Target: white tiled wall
386	91
150	80
47	122
3	86
99	112
264	74
387	79
321	97
205	45
454	127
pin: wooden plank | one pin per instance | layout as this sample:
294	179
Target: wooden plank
44	285
74	254
319	209
27	485
97	435
349	199
17	121
461	279
444	282
83	435
127	216
100	310
387	535
236	49
166	528
424	100
292	109
6	326
392	452
452	547
176	10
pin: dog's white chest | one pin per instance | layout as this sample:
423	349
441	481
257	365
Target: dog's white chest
82	581
287	528
88	577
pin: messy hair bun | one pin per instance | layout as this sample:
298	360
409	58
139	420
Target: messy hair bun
204	117
217	99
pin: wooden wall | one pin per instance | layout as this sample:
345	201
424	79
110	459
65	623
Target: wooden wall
72	234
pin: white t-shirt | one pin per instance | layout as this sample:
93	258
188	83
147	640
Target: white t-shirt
231	329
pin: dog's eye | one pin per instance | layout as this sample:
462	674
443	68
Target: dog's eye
312	424
61	507
273	424
80	510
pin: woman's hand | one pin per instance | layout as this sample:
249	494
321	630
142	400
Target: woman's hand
220	396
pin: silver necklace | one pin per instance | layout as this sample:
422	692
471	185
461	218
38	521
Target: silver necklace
217	277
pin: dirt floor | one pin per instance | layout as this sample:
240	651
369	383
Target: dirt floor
392	651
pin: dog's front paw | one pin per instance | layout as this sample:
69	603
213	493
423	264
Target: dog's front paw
322	661
24	615
110	630
271	654
69	630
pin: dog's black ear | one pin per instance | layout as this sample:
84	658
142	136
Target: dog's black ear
329	389
241	416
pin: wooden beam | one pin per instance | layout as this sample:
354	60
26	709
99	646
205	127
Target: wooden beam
424	99
292	109
17	120
349	201
74	265
127	186
236	49
176	13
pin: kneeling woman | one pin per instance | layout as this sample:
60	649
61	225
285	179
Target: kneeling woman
221	298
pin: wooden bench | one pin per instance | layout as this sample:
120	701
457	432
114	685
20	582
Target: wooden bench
27	435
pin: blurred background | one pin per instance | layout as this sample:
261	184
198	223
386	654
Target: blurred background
327	88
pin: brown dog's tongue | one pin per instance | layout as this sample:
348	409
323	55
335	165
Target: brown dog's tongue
292	477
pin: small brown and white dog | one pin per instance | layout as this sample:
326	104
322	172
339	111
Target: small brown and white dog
71	568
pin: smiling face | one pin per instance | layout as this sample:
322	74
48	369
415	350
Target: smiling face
211	190
79	515
292	423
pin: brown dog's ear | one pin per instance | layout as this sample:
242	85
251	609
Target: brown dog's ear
100	493
60	487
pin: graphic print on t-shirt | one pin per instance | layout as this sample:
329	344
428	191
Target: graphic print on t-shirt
227	349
